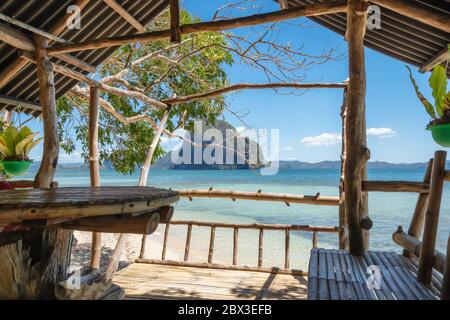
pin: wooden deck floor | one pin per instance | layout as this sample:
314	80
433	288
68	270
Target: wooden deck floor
150	281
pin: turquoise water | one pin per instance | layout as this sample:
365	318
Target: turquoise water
387	210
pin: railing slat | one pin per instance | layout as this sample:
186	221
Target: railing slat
188	242
260	247
166	235
211	244
314	239
287	238
235	245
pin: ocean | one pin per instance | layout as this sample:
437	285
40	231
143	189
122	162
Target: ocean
387	210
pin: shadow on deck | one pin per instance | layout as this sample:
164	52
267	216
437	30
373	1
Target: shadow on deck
152	281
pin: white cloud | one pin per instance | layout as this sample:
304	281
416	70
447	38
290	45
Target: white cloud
381	133
324	139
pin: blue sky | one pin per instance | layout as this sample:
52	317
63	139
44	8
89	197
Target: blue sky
310	124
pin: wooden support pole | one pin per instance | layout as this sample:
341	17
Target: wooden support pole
260	247
357	153
445	292
284	4
395	186
143	247
441	57
115	258
235	245
287	240
188	242
94	168
314	239
211	244
175	31
125	14
166	237
316	9
343	233
416	225
431	218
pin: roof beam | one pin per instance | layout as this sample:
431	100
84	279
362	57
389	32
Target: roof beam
21	41
125	14
284	4
316	9
19	102
409	9
175	31
439	58
28	27
17	65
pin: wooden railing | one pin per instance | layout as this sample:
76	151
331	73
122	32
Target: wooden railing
236	227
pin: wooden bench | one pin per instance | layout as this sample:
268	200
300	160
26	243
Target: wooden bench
337	275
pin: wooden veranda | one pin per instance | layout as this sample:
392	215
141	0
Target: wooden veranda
41	59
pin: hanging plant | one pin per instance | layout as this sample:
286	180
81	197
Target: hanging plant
440	110
15	146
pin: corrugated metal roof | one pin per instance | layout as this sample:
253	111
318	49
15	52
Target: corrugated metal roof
400	37
98	20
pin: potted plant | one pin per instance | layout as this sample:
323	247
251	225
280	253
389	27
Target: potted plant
440	111
15	145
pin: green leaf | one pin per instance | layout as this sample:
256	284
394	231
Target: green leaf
31	145
20	147
438	82
25	131
428	106
11	136
5	151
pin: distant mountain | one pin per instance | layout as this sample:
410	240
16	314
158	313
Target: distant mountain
240	158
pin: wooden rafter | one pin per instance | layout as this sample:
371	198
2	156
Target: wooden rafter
21	41
316	9
28	27
439	58
19	102
175	31
284	4
17	65
410	9
125	14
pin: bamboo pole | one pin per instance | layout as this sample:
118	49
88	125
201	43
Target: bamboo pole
261	196
395	186
416	225
166	236
314	239
293	227
357	152
115	258
445	292
94	168
188	242
271	17
260	247
211	244
431	218
235	244
413	246
287	238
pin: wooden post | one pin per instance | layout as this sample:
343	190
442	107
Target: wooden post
175	30
445	291
286	248
211	244
94	169
235	244
343	234
166	236
357	153
416	226
260	247
188	242
314	239
432	218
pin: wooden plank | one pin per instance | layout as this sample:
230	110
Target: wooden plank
387	293
432	218
211	244
342	287
324	292
345	272
331	276
19	102
11	71
235	244
439	58
188	242
313	275
286	248
76	62
261	247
